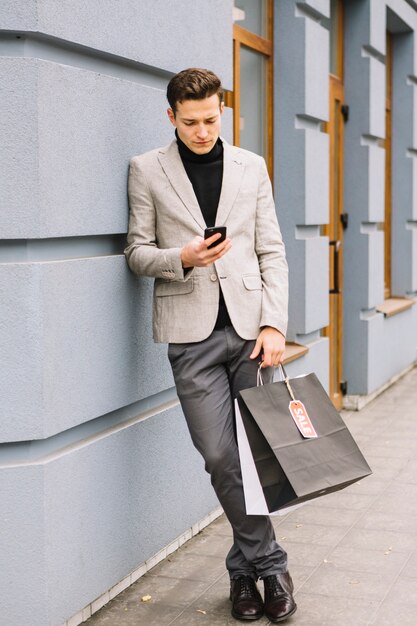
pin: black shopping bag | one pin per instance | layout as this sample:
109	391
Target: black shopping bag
293	467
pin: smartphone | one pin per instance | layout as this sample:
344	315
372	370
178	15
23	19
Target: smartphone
212	231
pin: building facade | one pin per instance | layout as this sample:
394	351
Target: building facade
98	476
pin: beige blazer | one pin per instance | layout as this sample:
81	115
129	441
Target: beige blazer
165	215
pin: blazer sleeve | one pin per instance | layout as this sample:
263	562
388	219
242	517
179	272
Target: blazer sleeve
270	250
142	252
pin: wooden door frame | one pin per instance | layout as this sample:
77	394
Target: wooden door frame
264	46
387	143
334	231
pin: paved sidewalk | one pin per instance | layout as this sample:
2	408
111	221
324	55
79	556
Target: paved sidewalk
353	555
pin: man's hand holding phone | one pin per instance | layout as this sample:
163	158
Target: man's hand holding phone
201	252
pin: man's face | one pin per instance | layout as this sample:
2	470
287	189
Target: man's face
198	122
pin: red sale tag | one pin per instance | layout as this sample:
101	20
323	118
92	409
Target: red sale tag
302	420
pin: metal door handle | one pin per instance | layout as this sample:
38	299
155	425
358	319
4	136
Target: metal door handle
336	244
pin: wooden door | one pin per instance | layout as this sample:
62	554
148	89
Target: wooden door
335	233
251	98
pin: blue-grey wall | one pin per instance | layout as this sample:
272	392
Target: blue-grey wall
301	98
94	453
377	348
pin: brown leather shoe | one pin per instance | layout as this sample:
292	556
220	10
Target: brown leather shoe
279	601
247	601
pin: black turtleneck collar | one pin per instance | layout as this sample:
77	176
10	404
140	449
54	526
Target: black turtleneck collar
188	155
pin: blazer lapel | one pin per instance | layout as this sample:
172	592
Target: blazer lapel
233	168
171	163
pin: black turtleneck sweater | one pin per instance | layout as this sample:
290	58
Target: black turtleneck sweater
205	172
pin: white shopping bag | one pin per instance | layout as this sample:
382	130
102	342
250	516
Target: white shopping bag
254	496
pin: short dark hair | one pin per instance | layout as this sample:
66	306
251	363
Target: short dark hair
193	83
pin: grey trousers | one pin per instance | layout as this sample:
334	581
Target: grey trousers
208	376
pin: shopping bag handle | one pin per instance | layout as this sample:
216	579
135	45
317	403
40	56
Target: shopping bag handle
281	369
284	378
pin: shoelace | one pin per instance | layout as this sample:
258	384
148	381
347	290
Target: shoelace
273	586
246	586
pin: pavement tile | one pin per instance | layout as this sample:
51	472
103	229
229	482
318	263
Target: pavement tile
380	540
137	614
374	561
215	598
322	610
205	543
306	554
314	534
394	451
397	430
403	407
168	591
400	605
330	581
410	570
409	473
345	499
378	461
362	431
183	564
382	469
400	431
369	485
399	394
398	488
375	415
300	574
381	520
220	526
192	617
359	430
315	514
391	613
397	504
376	421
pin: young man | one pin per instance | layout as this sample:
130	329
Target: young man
221	308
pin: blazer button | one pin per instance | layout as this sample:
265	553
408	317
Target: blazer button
213	277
